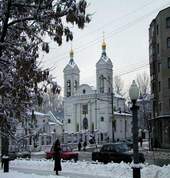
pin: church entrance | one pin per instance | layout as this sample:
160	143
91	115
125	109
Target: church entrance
85	123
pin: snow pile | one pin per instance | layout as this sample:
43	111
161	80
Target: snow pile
15	174
113	170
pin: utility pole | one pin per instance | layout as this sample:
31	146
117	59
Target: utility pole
113	120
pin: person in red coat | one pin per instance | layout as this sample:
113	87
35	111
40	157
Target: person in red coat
57	157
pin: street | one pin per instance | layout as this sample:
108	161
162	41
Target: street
157	157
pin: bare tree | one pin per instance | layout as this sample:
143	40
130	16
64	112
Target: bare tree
118	85
143	83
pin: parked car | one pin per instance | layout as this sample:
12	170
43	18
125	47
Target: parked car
23	154
115	152
66	153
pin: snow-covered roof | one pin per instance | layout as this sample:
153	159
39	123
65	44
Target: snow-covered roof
54	119
51	123
163	116
71	66
104	60
37	113
122	113
93	88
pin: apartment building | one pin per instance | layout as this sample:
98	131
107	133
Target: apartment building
159	58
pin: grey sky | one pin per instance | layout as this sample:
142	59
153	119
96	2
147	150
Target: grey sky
125	23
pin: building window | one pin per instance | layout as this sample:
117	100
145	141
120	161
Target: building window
84	91
160	107
109	84
159	86
101	83
68	88
48	140
159	66
44	130
69	121
152	87
168	42
168	83
168	61
85	109
168	22
158	48
157	29
102	119
85	123
75	85
42	140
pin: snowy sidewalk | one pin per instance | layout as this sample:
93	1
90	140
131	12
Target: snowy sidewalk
62	173
84	169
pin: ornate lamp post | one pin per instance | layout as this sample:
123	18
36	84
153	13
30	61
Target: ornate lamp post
134	93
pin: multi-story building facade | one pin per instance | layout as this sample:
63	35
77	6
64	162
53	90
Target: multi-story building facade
159	58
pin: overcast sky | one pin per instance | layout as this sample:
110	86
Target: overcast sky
125	23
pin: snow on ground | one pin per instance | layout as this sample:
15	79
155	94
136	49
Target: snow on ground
87	169
15	174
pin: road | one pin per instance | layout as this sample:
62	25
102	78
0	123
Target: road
157	157
82	156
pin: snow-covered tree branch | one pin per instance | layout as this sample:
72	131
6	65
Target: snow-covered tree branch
24	24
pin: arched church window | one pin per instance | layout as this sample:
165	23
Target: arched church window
68	88
109	84
75	85
101	82
84	91
101	136
85	123
69	121
102	119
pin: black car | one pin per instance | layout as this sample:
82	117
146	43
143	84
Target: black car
115	152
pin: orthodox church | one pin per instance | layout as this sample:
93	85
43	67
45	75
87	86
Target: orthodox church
88	112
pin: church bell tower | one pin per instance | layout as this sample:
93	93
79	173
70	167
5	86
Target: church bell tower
71	77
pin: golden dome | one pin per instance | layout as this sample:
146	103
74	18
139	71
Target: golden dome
104	45
71	53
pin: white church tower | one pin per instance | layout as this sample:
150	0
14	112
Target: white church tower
104	86
104	73
71	77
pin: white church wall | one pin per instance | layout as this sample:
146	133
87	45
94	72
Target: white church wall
123	126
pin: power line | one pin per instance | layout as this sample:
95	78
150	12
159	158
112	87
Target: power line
114	32
117	19
134	70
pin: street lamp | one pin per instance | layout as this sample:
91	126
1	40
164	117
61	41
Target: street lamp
134	94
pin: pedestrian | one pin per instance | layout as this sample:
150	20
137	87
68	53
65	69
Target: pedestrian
84	145
141	141
57	157
79	146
